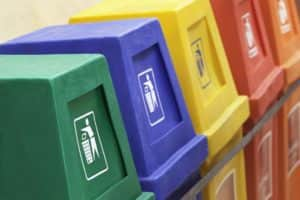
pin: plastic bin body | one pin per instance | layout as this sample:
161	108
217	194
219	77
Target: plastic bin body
165	148
229	183
245	40
289	148
62	132
199	60
282	23
283	32
262	163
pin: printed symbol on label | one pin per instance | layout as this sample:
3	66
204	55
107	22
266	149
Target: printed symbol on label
265	167
151	98
199	56
227	188
294	138
90	146
249	36
89	143
285	26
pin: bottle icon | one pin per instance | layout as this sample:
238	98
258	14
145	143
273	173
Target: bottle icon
150	95
88	143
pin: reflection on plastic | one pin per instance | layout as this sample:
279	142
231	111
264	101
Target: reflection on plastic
227	188
294	138
265	167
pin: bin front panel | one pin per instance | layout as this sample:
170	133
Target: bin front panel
156	99
96	143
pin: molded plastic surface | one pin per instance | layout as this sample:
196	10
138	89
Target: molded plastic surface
230	182
163	142
262	163
199	60
283	31
289	148
249	54
62	136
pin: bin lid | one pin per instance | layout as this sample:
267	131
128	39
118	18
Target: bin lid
63	130
283	30
159	128
199	60
249	54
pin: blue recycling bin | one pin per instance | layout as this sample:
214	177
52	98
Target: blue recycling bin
166	150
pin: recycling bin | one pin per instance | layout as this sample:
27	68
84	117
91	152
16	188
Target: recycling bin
283	32
201	66
245	40
289	148
62	136
282	24
165	148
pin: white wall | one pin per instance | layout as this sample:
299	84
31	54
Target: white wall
18	17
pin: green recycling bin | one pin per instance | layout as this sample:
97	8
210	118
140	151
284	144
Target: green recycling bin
61	133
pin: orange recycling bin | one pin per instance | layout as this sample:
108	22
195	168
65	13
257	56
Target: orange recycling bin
283	31
289	149
245	40
282	25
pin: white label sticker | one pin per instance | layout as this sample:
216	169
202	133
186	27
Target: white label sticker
294	138
283	15
249	36
90	146
227	188
265	167
151	98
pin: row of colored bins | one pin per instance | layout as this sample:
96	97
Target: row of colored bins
167	153
262	39
165	148
205	77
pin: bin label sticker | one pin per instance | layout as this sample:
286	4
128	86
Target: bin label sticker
249	36
90	146
150	95
199	55
283	15
294	138
265	167
227	188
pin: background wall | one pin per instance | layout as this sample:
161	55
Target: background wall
18	17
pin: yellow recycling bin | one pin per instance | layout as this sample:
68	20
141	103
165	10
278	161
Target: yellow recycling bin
216	109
